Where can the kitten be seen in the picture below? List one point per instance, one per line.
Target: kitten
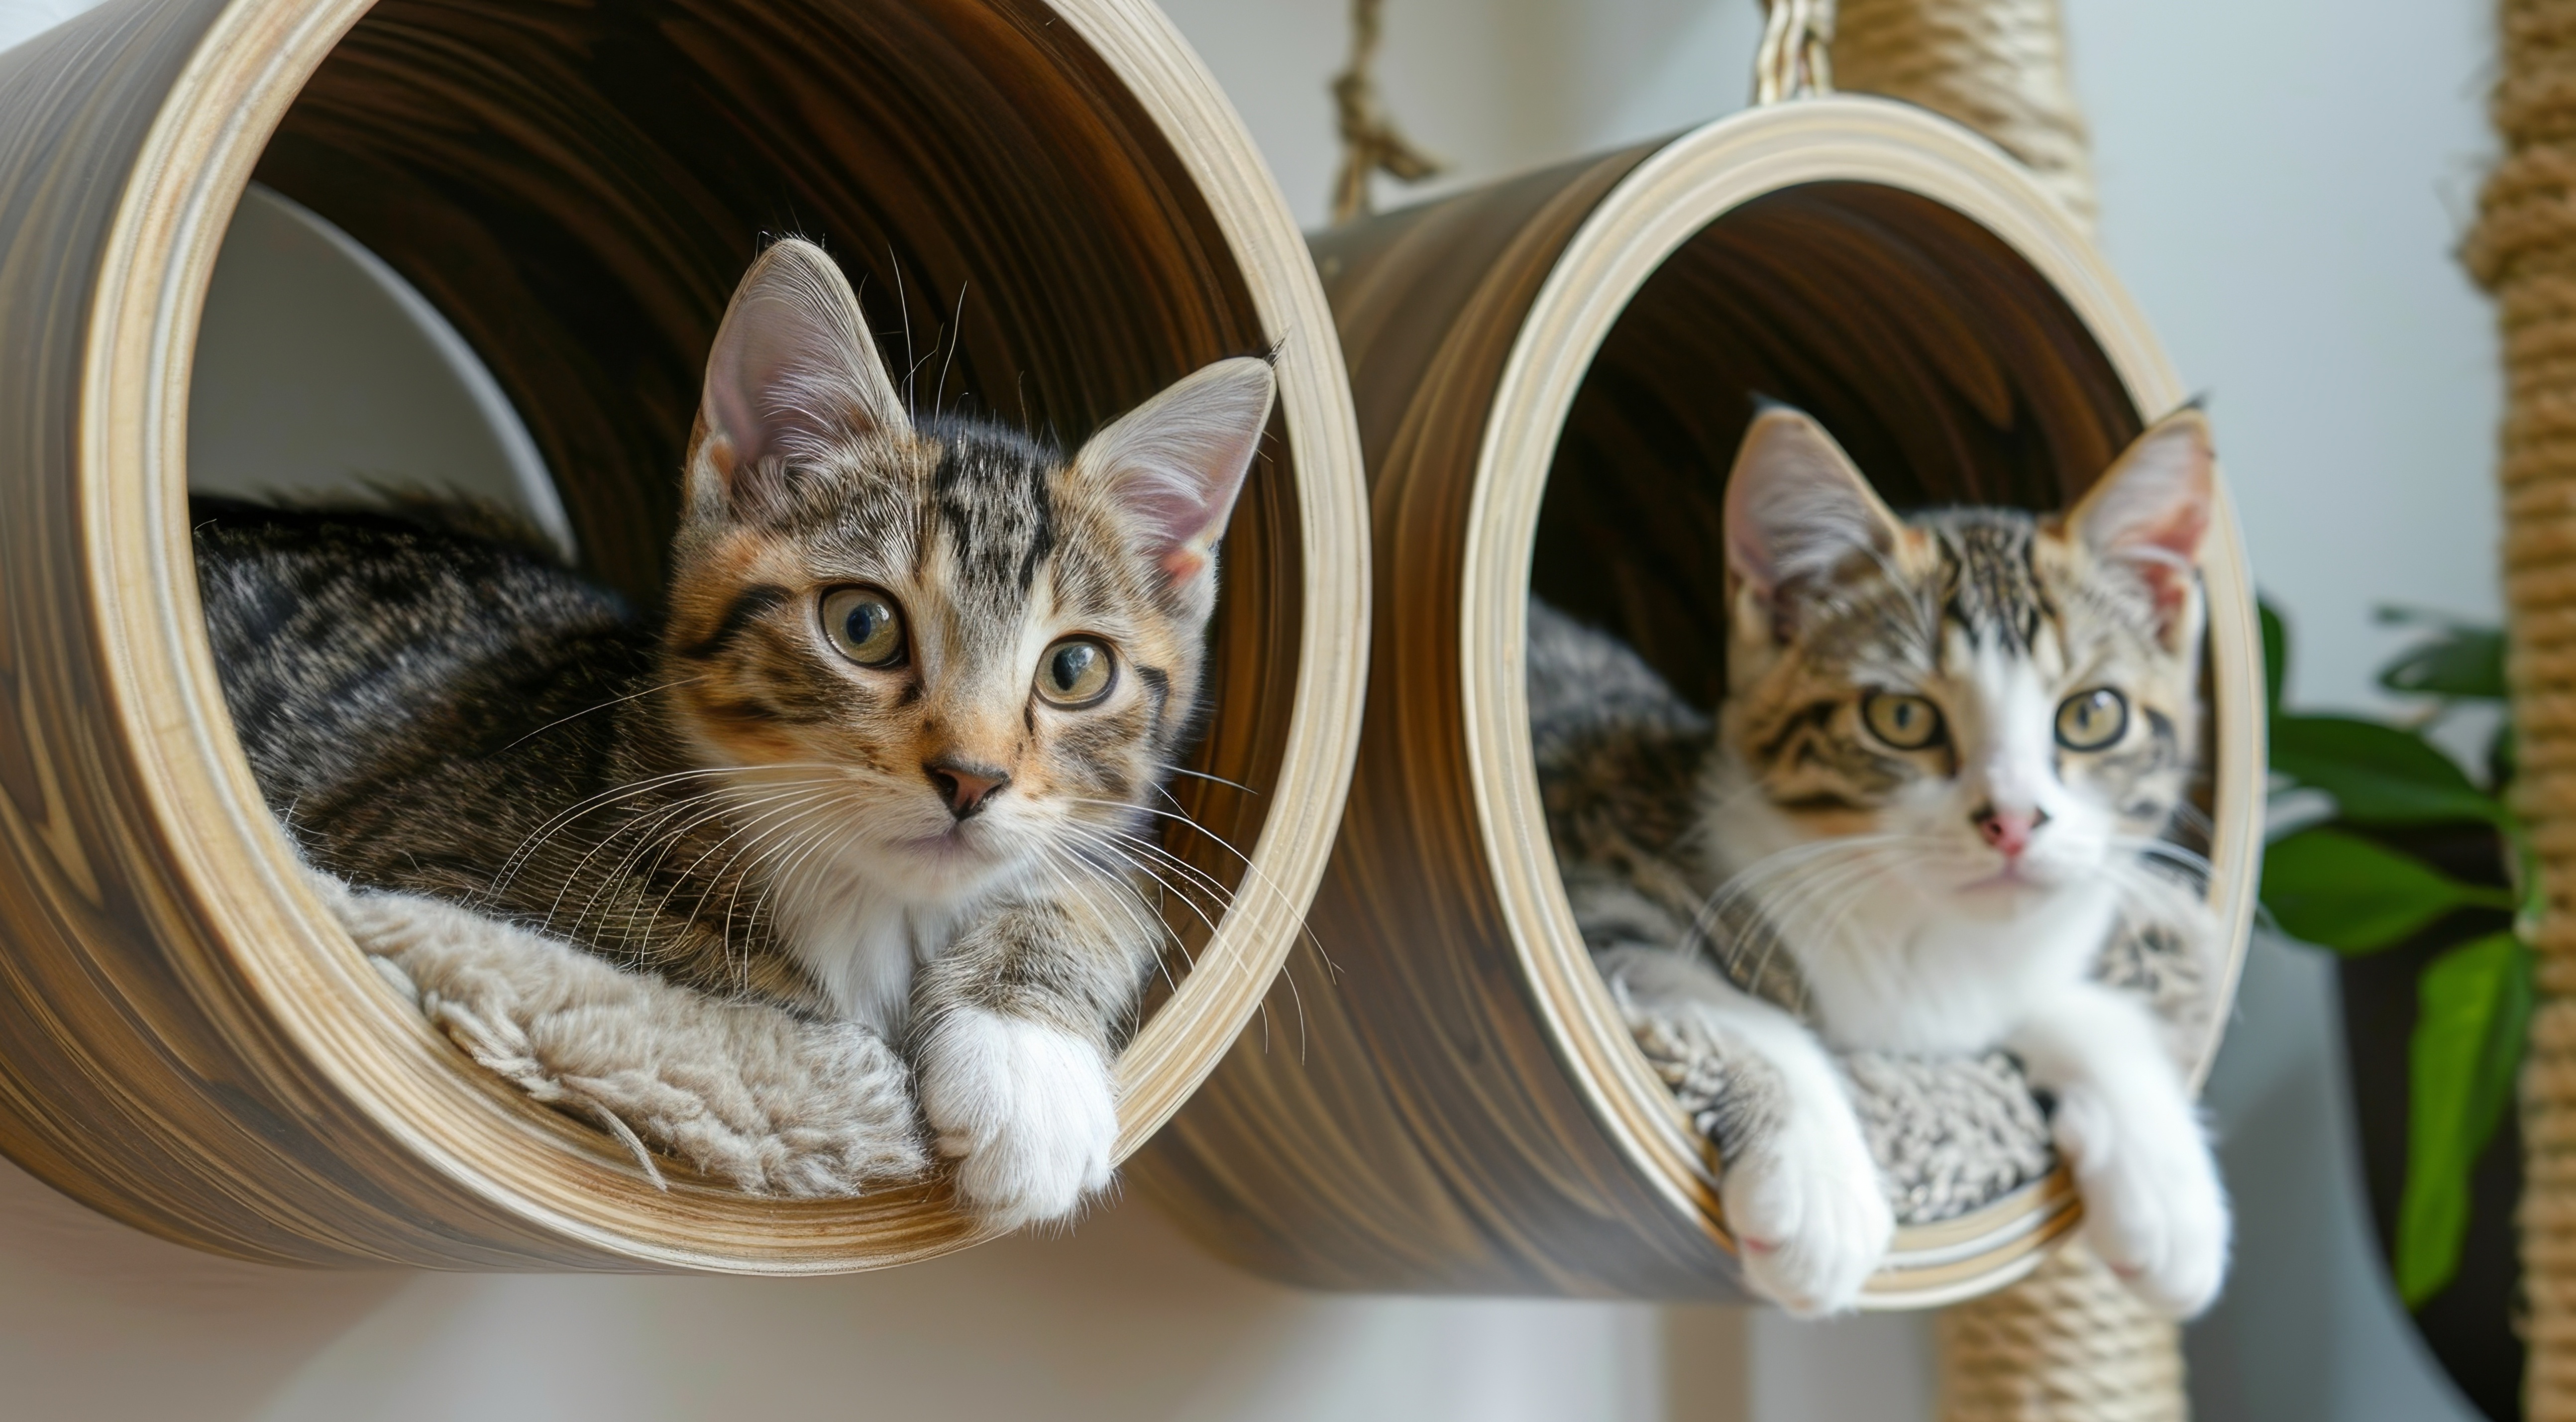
(885, 760)
(1927, 810)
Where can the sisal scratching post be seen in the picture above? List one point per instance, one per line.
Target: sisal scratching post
(1998, 66)
(2524, 251)
(2067, 1344)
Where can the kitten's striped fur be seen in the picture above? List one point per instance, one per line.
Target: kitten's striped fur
(932, 844)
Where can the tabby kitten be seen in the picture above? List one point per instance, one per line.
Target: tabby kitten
(1930, 803)
(886, 759)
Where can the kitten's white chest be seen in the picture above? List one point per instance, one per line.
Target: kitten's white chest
(862, 945)
(1901, 975)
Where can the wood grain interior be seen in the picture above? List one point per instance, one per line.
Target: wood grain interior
(1052, 214)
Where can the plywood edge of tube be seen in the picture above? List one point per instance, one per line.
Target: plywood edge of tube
(187, 1041)
(1453, 1103)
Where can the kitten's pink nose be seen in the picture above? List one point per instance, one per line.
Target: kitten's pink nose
(2008, 831)
(967, 787)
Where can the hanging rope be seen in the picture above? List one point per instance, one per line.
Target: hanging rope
(1998, 66)
(2524, 251)
(1796, 57)
(1370, 142)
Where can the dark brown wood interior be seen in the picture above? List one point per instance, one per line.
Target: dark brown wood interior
(578, 187)
(1945, 365)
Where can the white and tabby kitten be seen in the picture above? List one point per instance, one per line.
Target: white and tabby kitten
(1930, 805)
(887, 761)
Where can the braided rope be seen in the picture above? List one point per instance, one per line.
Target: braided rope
(2524, 251)
(2548, 1214)
(1998, 66)
(2061, 1345)
(1796, 55)
(1371, 143)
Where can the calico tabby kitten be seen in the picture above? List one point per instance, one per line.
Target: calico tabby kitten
(885, 760)
(1928, 807)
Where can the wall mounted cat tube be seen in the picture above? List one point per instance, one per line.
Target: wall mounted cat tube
(1462, 1107)
(1052, 198)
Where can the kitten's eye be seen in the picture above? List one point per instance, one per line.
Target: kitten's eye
(1905, 722)
(1076, 672)
(2090, 720)
(865, 624)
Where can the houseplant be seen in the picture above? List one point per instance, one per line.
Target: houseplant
(2416, 870)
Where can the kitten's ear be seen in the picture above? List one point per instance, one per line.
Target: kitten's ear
(1796, 509)
(792, 373)
(2151, 510)
(1175, 463)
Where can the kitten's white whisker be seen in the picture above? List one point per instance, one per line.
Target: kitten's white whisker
(1142, 867)
(1223, 896)
(903, 304)
(698, 809)
(1217, 889)
(536, 837)
(784, 879)
(1808, 870)
(645, 825)
(733, 882)
(956, 333)
(1788, 915)
(1123, 898)
(705, 809)
(1280, 896)
(1203, 775)
(1214, 887)
(612, 701)
(689, 871)
(1750, 879)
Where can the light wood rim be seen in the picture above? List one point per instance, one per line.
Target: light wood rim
(1636, 226)
(164, 709)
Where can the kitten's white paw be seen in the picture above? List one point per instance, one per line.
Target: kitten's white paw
(2153, 1207)
(1026, 1108)
(1807, 1215)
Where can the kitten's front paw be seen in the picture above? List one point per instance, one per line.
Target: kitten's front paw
(2153, 1207)
(1807, 1214)
(1027, 1110)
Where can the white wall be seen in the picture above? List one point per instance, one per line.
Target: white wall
(2282, 182)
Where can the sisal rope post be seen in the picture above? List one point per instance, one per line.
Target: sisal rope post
(2069, 1343)
(2523, 250)
(2063, 1344)
(1998, 66)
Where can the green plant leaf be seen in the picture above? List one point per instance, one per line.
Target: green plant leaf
(2276, 655)
(2378, 775)
(2344, 892)
(2473, 1005)
(2457, 661)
